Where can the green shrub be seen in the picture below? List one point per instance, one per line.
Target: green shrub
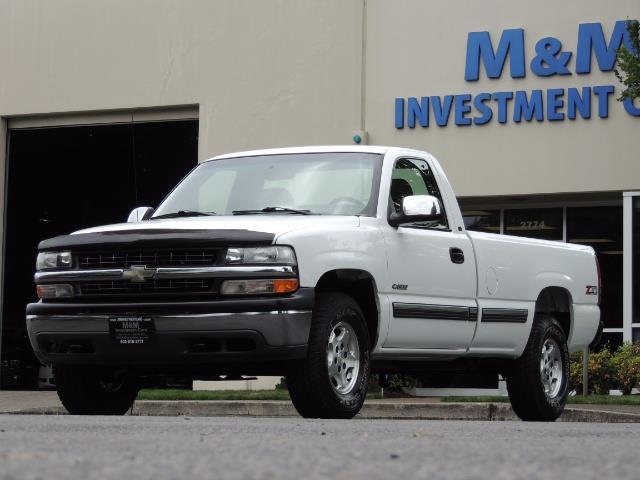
(397, 382)
(619, 370)
(282, 385)
(575, 372)
(626, 366)
(601, 372)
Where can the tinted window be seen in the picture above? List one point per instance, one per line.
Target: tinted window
(414, 177)
(543, 223)
(635, 248)
(482, 220)
(601, 228)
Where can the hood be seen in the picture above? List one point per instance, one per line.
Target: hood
(192, 231)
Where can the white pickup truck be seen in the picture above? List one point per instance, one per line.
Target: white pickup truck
(322, 264)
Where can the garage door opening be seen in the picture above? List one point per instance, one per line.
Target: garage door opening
(67, 178)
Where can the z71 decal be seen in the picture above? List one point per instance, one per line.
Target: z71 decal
(399, 286)
(591, 290)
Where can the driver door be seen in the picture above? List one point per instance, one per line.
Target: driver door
(432, 271)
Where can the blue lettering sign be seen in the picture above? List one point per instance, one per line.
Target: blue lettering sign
(591, 39)
(528, 108)
(462, 108)
(442, 109)
(485, 110)
(503, 99)
(550, 59)
(578, 103)
(420, 110)
(603, 94)
(631, 108)
(479, 47)
(399, 112)
(555, 102)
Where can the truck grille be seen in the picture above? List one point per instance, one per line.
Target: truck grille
(119, 287)
(150, 258)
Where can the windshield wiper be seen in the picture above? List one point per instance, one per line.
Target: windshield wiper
(184, 213)
(272, 210)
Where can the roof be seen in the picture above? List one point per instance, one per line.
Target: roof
(316, 149)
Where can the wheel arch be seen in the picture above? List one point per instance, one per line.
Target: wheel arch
(557, 302)
(361, 286)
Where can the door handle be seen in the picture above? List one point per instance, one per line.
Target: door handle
(456, 254)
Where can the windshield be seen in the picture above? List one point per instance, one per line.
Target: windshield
(312, 183)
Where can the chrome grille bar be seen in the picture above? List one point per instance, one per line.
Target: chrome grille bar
(151, 258)
(275, 271)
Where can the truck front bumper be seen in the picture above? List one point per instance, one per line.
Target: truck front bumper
(220, 331)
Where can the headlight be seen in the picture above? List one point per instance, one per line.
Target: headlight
(277, 255)
(47, 260)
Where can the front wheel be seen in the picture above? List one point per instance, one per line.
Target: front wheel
(332, 382)
(538, 382)
(88, 390)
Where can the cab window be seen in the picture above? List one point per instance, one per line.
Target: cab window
(414, 177)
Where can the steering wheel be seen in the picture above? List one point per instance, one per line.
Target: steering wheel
(341, 205)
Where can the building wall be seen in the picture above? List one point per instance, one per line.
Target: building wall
(285, 72)
(417, 48)
(282, 72)
(268, 73)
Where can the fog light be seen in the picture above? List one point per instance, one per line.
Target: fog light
(54, 291)
(257, 287)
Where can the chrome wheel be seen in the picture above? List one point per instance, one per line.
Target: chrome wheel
(551, 368)
(343, 358)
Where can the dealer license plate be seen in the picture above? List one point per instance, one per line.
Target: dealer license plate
(131, 330)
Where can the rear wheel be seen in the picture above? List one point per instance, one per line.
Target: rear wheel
(85, 390)
(332, 382)
(538, 382)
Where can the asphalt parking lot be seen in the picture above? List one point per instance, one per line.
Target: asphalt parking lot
(62, 447)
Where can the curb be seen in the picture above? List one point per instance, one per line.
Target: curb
(371, 410)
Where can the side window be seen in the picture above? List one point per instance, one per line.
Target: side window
(414, 177)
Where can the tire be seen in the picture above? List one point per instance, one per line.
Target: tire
(529, 398)
(319, 386)
(85, 390)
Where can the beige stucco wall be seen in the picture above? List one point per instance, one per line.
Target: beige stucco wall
(265, 73)
(284, 72)
(418, 48)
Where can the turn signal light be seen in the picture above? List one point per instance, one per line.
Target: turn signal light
(287, 285)
(259, 286)
(54, 291)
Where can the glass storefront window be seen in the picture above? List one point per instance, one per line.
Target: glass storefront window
(601, 228)
(613, 339)
(543, 223)
(482, 220)
(635, 269)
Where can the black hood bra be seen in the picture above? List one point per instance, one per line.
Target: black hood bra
(157, 238)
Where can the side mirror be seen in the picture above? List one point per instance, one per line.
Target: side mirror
(417, 208)
(139, 214)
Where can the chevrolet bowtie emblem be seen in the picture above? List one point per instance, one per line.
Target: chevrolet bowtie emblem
(138, 273)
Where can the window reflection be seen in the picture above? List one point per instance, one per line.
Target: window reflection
(482, 220)
(601, 228)
(543, 223)
(635, 248)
